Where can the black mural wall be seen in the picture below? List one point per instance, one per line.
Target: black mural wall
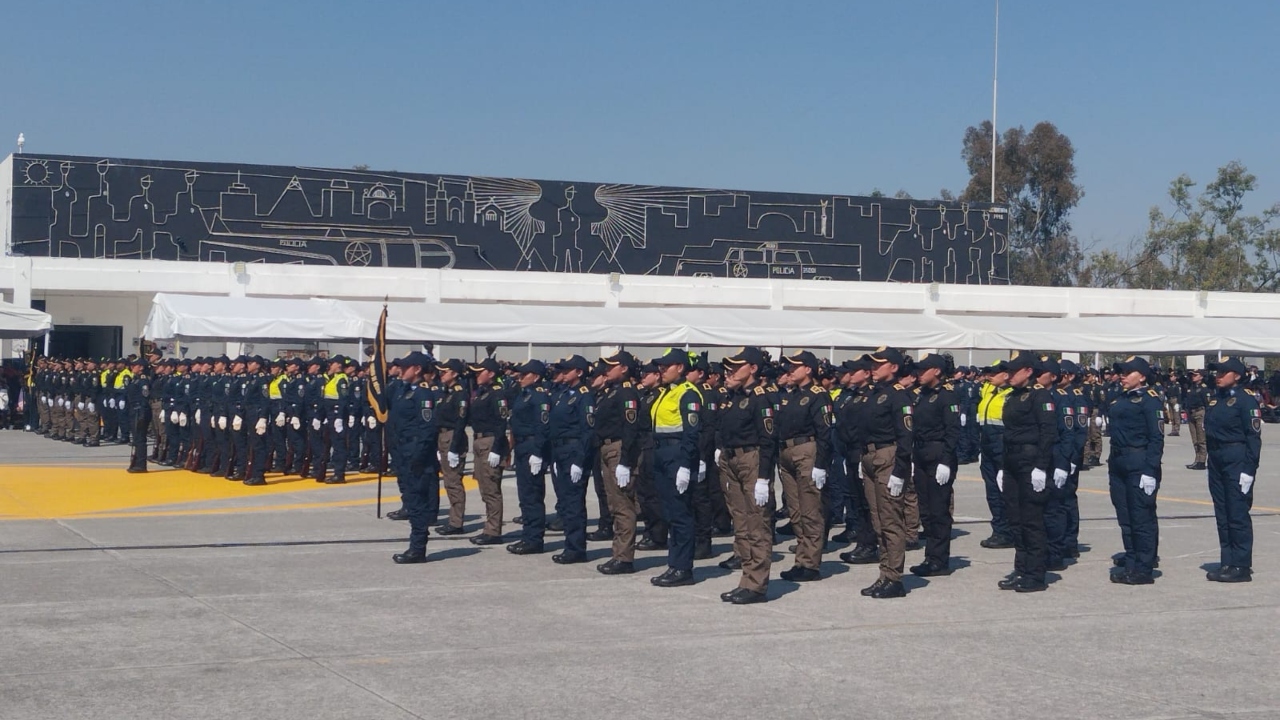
(186, 211)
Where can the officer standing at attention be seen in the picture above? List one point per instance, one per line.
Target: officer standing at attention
(137, 403)
(530, 413)
(452, 444)
(991, 400)
(1233, 427)
(886, 441)
(676, 435)
(257, 411)
(1195, 400)
(1136, 421)
(412, 429)
(851, 425)
(1057, 513)
(936, 438)
(1082, 403)
(745, 448)
(618, 428)
(1030, 435)
(804, 436)
(313, 398)
(570, 429)
(239, 430)
(279, 428)
(489, 414)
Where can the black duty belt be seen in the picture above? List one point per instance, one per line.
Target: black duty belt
(482, 435)
(800, 440)
(609, 440)
(736, 451)
(872, 447)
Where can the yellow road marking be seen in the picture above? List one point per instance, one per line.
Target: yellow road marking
(1162, 498)
(28, 492)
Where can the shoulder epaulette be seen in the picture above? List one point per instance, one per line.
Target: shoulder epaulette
(426, 385)
(915, 391)
(948, 386)
(1152, 393)
(584, 390)
(540, 389)
(1077, 391)
(816, 389)
(1251, 392)
(707, 386)
(456, 387)
(626, 383)
(760, 390)
(897, 386)
(1038, 386)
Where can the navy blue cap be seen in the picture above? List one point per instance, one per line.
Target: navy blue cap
(533, 366)
(932, 361)
(861, 363)
(1020, 359)
(1132, 363)
(1048, 365)
(486, 364)
(673, 357)
(622, 357)
(1068, 367)
(455, 365)
(574, 362)
(885, 354)
(419, 358)
(804, 357)
(1228, 364)
(746, 356)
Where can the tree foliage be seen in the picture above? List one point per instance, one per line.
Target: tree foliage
(1036, 179)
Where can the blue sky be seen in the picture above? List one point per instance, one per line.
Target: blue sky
(830, 97)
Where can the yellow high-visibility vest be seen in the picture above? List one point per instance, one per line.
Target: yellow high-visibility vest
(991, 404)
(331, 386)
(125, 374)
(274, 387)
(666, 412)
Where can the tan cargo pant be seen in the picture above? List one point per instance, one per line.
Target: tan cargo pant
(752, 524)
(1093, 440)
(622, 502)
(490, 481)
(1174, 418)
(1195, 422)
(803, 500)
(887, 512)
(451, 478)
(157, 422)
(911, 511)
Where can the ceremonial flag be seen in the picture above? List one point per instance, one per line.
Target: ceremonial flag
(378, 372)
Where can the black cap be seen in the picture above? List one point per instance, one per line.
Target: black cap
(486, 364)
(1048, 365)
(672, 357)
(1228, 364)
(715, 368)
(574, 362)
(622, 357)
(293, 361)
(336, 359)
(932, 361)
(649, 367)
(804, 357)
(455, 365)
(1132, 363)
(746, 356)
(885, 354)
(1020, 359)
(317, 360)
(1068, 367)
(861, 363)
(419, 358)
(532, 366)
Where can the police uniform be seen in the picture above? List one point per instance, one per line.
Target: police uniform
(851, 424)
(1195, 401)
(412, 431)
(488, 418)
(804, 437)
(746, 445)
(137, 399)
(278, 429)
(618, 431)
(1081, 419)
(936, 442)
(676, 432)
(886, 442)
(991, 402)
(1136, 424)
(530, 415)
(257, 421)
(1030, 436)
(314, 421)
(570, 431)
(1233, 428)
(1057, 511)
(452, 445)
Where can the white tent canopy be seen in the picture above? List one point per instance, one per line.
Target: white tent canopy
(199, 317)
(20, 322)
(192, 317)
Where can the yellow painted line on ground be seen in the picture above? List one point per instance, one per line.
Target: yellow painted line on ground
(1162, 498)
(29, 492)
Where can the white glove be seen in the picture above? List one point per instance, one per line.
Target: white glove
(197, 417)
(1098, 421)
(702, 470)
(1059, 477)
(280, 419)
(260, 427)
(91, 407)
(942, 474)
(315, 423)
(80, 406)
(371, 422)
(535, 464)
(494, 459)
(111, 403)
(895, 485)
(222, 422)
(1073, 467)
(1000, 480)
(575, 474)
(762, 492)
(682, 480)
(120, 406)
(338, 426)
(1038, 478)
(182, 419)
(237, 422)
(173, 417)
(1148, 484)
(1246, 482)
(964, 419)
(454, 460)
(819, 477)
(1177, 407)
(295, 423)
(717, 456)
(623, 474)
(351, 421)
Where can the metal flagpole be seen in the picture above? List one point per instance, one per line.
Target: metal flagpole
(995, 86)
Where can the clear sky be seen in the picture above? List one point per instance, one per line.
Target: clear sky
(838, 96)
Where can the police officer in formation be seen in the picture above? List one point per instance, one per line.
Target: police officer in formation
(1233, 431)
(1136, 423)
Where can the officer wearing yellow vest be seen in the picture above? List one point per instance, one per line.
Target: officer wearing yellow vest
(676, 429)
(279, 427)
(991, 399)
(333, 406)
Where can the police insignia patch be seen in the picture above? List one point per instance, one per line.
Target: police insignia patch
(631, 416)
(426, 414)
(907, 422)
(1257, 425)
(1231, 401)
(933, 398)
(546, 417)
(768, 425)
(1070, 421)
(804, 401)
(882, 399)
(693, 418)
(591, 420)
(743, 403)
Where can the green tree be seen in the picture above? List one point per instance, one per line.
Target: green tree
(1201, 242)
(1036, 179)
